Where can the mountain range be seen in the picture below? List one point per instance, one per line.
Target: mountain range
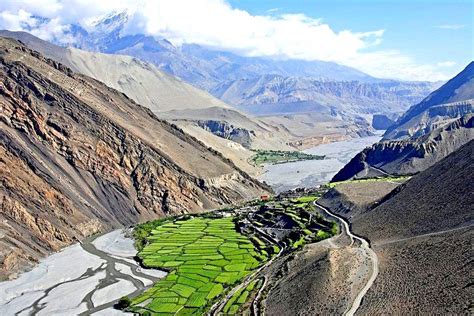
(256, 84)
(220, 126)
(426, 133)
(78, 157)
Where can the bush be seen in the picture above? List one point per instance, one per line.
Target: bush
(124, 302)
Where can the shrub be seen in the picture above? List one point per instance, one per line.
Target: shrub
(124, 302)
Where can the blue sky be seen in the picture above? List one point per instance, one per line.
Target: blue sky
(429, 31)
(408, 40)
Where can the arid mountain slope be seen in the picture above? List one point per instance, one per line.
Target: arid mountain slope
(267, 94)
(78, 157)
(439, 198)
(168, 97)
(422, 234)
(406, 157)
(451, 101)
(425, 134)
(198, 112)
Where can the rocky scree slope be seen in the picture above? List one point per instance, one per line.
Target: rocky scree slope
(424, 135)
(192, 109)
(422, 234)
(78, 157)
(452, 100)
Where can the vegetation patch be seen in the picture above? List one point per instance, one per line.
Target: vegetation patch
(262, 157)
(205, 256)
(399, 179)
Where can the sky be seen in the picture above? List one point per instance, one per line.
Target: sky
(429, 31)
(408, 40)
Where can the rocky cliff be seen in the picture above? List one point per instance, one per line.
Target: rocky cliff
(228, 131)
(452, 100)
(426, 133)
(77, 157)
(410, 156)
(382, 121)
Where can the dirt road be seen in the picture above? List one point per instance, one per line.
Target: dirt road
(364, 245)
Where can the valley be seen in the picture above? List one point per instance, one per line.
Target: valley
(184, 263)
(310, 173)
(168, 158)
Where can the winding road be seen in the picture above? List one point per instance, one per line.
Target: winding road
(370, 254)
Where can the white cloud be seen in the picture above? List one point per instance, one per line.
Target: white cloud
(447, 63)
(451, 26)
(215, 24)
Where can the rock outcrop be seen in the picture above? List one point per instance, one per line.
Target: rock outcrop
(382, 121)
(407, 157)
(228, 131)
(451, 101)
(425, 134)
(77, 157)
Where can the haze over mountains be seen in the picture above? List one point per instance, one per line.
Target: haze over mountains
(260, 85)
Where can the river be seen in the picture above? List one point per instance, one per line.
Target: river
(91, 276)
(83, 278)
(309, 173)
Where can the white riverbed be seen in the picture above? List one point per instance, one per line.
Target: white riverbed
(310, 173)
(66, 265)
(116, 244)
(66, 282)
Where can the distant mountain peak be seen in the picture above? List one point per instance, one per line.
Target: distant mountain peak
(113, 19)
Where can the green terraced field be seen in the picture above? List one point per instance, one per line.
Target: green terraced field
(204, 256)
(400, 179)
(277, 156)
(240, 297)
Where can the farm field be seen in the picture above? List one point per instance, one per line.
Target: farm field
(241, 298)
(278, 156)
(399, 179)
(205, 256)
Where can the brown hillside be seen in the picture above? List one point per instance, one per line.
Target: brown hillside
(77, 157)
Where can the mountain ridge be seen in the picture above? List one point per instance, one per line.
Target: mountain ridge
(79, 157)
(425, 134)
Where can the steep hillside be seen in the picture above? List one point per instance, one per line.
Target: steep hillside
(197, 111)
(409, 156)
(439, 198)
(78, 157)
(452, 100)
(168, 97)
(422, 234)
